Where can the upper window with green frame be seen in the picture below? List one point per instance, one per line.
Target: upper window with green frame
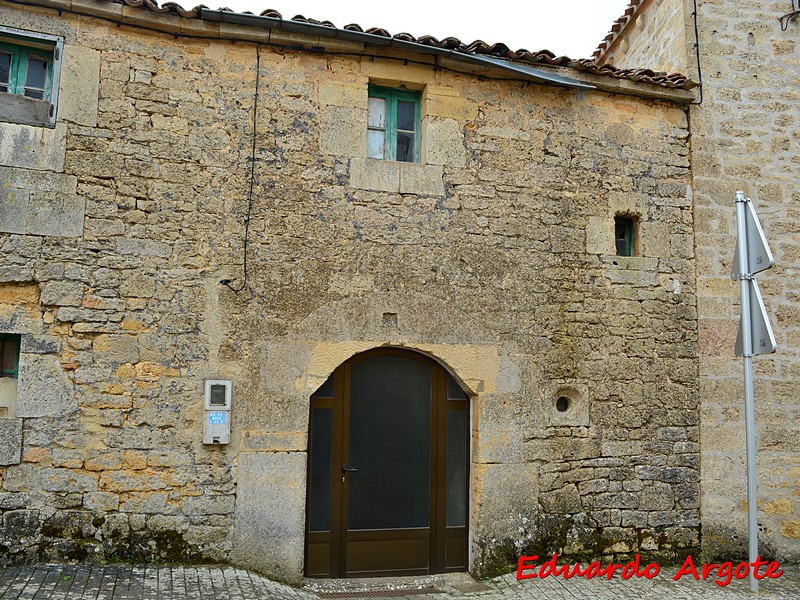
(9, 355)
(29, 71)
(393, 124)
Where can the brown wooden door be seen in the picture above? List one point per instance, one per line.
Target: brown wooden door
(387, 469)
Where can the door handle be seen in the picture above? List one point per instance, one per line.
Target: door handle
(346, 469)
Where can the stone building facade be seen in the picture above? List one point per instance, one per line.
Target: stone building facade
(742, 138)
(199, 206)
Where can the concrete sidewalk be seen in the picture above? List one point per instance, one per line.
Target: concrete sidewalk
(125, 582)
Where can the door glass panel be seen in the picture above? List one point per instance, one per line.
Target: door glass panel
(405, 115)
(405, 147)
(325, 390)
(319, 478)
(390, 411)
(456, 468)
(454, 391)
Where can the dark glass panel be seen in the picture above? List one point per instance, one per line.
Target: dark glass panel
(10, 353)
(454, 391)
(623, 236)
(319, 479)
(325, 390)
(406, 115)
(390, 409)
(36, 78)
(456, 468)
(405, 147)
(5, 71)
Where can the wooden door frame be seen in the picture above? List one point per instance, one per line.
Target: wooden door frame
(440, 404)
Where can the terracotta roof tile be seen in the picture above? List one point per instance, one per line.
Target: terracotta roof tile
(542, 57)
(617, 28)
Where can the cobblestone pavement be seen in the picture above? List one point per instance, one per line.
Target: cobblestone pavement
(124, 582)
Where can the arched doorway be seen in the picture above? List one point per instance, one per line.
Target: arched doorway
(388, 469)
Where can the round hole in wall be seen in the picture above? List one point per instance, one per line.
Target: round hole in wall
(562, 404)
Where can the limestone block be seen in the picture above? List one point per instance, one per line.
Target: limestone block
(443, 142)
(504, 497)
(62, 293)
(44, 388)
(79, 86)
(338, 93)
(421, 179)
(8, 396)
(37, 148)
(40, 344)
(10, 441)
(373, 174)
(447, 103)
(53, 211)
(116, 349)
(270, 514)
(343, 131)
(600, 235)
(143, 247)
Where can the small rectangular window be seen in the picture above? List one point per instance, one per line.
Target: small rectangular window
(9, 355)
(624, 231)
(29, 68)
(393, 124)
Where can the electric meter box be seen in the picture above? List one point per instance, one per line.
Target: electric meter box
(217, 420)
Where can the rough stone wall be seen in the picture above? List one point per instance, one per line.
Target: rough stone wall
(659, 38)
(743, 139)
(495, 255)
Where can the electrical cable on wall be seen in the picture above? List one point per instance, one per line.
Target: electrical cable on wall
(227, 282)
(790, 16)
(697, 55)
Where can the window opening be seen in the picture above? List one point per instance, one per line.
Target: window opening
(9, 355)
(393, 124)
(29, 67)
(623, 235)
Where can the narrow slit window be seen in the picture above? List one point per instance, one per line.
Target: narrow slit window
(9, 355)
(624, 231)
(393, 124)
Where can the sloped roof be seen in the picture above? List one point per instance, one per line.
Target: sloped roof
(617, 28)
(478, 47)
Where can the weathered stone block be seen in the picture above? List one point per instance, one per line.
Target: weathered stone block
(80, 82)
(421, 179)
(36, 148)
(10, 441)
(267, 501)
(373, 174)
(62, 293)
(44, 388)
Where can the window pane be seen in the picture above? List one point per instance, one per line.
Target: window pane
(456, 468)
(405, 147)
(375, 143)
(377, 113)
(10, 353)
(390, 429)
(5, 71)
(405, 115)
(36, 78)
(319, 503)
(623, 236)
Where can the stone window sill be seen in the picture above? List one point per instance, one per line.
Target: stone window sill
(25, 111)
(396, 177)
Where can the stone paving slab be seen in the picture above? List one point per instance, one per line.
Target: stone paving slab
(152, 582)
